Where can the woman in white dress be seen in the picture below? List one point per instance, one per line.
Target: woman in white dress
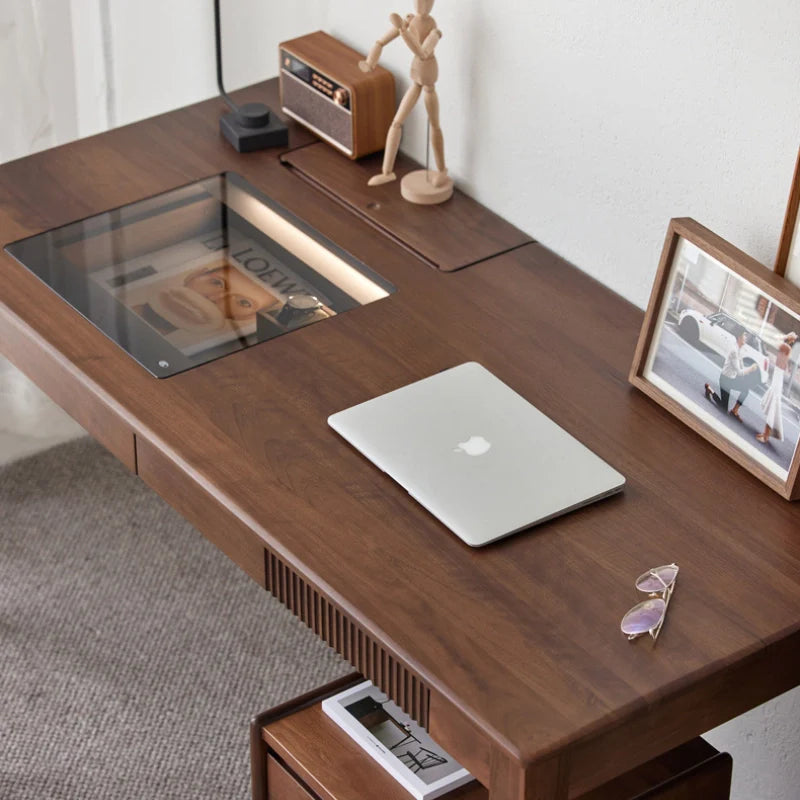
(772, 402)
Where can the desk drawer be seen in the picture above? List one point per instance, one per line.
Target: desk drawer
(298, 753)
(282, 785)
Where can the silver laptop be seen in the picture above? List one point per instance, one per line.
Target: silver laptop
(476, 454)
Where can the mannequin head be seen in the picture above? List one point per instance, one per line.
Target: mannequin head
(423, 7)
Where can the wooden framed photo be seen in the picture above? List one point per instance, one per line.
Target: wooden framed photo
(719, 349)
(787, 263)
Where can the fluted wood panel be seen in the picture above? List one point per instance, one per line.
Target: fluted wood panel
(348, 639)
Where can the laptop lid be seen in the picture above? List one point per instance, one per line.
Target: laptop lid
(476, 454)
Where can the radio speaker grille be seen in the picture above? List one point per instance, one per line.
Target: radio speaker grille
(347, 638)
(316, 110)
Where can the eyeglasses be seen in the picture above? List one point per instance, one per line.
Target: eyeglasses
(648, 616)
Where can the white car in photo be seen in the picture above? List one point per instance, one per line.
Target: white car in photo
(718, 332)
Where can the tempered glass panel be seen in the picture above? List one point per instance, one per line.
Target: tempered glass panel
(199, 272)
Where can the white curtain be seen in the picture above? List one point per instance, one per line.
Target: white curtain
(27, 107)
(37, 110)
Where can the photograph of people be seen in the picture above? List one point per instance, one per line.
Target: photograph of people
(729, 353)
(772, 402)
(734, 377)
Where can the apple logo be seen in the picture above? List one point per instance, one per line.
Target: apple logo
(474, 446)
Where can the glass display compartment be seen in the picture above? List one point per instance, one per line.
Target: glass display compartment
(198, 272)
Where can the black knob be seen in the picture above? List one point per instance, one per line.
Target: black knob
(253, 115)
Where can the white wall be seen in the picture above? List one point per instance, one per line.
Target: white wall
(587, 124)
(764, 744)
(161, 54)
(76, 67)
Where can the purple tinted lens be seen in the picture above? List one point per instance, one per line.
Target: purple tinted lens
(656, 580)
(644, 617)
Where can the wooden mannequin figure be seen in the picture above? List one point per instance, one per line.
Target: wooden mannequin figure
(420, 33)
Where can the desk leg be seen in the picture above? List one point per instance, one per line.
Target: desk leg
(545, 780)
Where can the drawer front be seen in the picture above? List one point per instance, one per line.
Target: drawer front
(190, 496)
(299, 739)
(282, 786)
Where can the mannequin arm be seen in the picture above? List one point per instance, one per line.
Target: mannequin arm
(375, 53)
(412, 44)
(431, 40)
(389, 36)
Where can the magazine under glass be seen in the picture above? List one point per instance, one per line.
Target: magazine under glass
(199, 272)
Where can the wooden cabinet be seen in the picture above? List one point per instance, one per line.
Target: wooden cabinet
(299, 753)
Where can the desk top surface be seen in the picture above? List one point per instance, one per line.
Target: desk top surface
(522, 636)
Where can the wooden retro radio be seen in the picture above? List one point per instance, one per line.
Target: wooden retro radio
(323, 88)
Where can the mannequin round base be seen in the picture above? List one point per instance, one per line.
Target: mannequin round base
(418, 187)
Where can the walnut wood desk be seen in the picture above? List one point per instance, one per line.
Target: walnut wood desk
(511, 654)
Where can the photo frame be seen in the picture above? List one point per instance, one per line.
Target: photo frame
(720, 349)
(787, 263)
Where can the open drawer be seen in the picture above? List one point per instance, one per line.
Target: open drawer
(299, 753)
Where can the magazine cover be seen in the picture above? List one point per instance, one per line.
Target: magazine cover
(205, 291)
(395, 741)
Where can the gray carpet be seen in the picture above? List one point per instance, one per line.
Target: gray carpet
(132, 652)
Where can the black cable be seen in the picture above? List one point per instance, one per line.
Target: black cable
(218, 45)
(250, 126)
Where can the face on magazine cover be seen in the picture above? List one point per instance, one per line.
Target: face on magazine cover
(236, 296)
(179, 308)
